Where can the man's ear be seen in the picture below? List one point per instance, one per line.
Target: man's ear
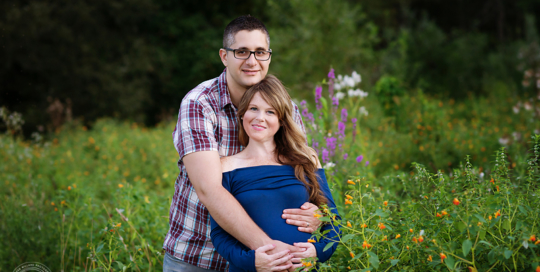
(223, 56)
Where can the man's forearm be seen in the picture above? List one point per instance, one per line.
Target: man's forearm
(232, 217)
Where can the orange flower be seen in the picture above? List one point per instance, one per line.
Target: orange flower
(366, 245)
(538, 268)
(69, 188)
(421, 239)
(456, 201)
(62, 202)
(348, 202)
(55, 209)
(316, 215)
(479, 223)
(498, 213)
(385, 238)
(112, 230)
(410, 230)
(407, 247)
(311, 241)
(492, 181)
(444, 213)
(351, 182)
(537, 242)
(306, 264)
(348, 197)
(352, 254)
(533, 238)
(349, 224)
(430, 259)
(120, 185)
(497, 187)
(118, 225)
(442, 257)
(364, 225)
(52, 203)
(489, 217)
(415, 240)
(398, 235)
(439, 215)
(381, 226)
(385, 203)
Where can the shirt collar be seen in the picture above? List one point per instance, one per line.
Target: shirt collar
(223, 90)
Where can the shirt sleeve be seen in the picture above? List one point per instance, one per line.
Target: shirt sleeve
(194, 129)
(335, 231)
(236, 253)
(298, 117)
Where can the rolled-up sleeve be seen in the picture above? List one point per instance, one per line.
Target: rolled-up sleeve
(195, 129)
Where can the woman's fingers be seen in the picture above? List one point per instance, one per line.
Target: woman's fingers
(296, 260)
(282, 263)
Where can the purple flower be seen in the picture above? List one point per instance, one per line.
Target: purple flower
(335, 101)
(367, 163)
(318, 94)
(341, 129)
(344, 115)
(303, 103)
(331, 143)
(345, 156)
(331, 73)
(325, 156)
(305, 112)
(354, 121)
(359, 158)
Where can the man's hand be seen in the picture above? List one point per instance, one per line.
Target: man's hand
(303, 218)
(265, 262)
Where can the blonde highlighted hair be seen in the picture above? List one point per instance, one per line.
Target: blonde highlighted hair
(291, 144)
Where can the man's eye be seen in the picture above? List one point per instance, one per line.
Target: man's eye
(260, 52)
(241, 52)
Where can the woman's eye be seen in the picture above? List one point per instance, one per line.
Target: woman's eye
(271, 112)
(253, 108)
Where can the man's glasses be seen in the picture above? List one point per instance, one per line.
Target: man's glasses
(244, 54)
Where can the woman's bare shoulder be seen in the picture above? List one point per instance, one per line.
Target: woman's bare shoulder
(230, 163)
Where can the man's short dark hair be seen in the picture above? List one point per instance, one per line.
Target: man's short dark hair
(244, 22)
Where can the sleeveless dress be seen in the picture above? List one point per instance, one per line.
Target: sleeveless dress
(264, 192)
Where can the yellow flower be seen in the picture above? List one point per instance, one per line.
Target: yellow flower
(118, 225)
(348, 202)
(430, 259)
(311, 241)
(120, 185)
(351, 182)
(349, 224)
(348, 197)
(306, 264)
(397, 236)
(316, 215)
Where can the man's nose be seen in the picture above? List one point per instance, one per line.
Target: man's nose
(251, 60)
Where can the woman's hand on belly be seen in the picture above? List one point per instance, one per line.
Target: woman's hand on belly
(276, 262)
(308, 251)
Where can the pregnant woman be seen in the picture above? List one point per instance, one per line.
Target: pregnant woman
(277, 170)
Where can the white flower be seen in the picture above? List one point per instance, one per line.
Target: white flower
(481, 175)
(363, 111)
(337, 86)
(516, 135)
(421, 232)
(329, 165)
(339, 77)
(356, 77)
(348, 81)
(515, 109)
(527, 105)
(339, 95)
(503, 141)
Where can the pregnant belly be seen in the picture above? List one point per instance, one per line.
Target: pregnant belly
(266, 208)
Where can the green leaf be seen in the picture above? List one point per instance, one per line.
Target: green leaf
(325, 219)
(347, 238)
(373, 259)
(506, 225)
(100, 246)
(380, 213)
(480, 218)
(394, 262)
(508, 253)
(522, 210)
(460, 226)
(486, 243)
(467, 245)
(482, 234)
(450, 262)
(329, 245)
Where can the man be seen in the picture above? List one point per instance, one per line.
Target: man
(205, 131)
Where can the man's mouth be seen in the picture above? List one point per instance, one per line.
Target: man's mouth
(250, 72)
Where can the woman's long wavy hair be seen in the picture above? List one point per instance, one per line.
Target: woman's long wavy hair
(291, 144)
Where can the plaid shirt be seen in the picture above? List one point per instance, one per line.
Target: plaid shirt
(206, 122)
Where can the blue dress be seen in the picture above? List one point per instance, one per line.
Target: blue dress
(265, 191)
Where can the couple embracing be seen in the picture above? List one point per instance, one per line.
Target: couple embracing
(249, 185)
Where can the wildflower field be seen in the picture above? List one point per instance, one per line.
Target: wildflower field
(422, 184)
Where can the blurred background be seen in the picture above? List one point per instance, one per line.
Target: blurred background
(135, 60)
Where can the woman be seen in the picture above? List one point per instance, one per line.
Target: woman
(275, 171)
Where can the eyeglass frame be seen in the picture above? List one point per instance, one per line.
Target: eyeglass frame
(250, 52)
